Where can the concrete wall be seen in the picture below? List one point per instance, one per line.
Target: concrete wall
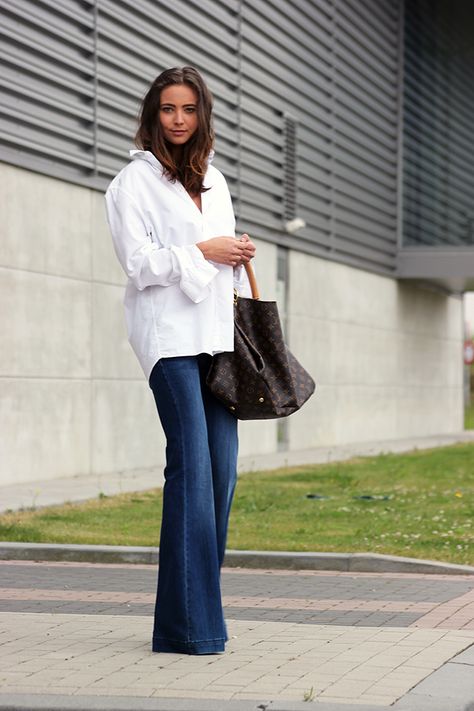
(387, 355)
(73, 399)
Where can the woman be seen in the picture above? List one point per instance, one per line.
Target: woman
(172, 224)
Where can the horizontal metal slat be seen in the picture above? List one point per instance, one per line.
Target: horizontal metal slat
(435, 170)
(428, 80)
(369, 205)
(420, 228)
(251, 212)
(356, 30)
(348, 91)
(452, 152)
(384, 215)
(257, 82)
(426, 67)
(228, 154)
(314, 119)
(430, 100)
(39, 47)
(14, 61)
(265, 134)
(424, 176)
(380, 140)
(37, 144)
(43, 164)
(222, 15)
(420, 184)
(257, 114)
(362, 182)
(224, 44)
(266, 168)
(371, 230)
(225, 12)
(363, 255)
(355, 113)
(353, 156)
(440, 116)
(293, 55)
(417, 211)
(350, 83)
(382, 28)
(81, 13)
(314, 225)
(120, 50)
(314, 203)
(314, 147)
(368, 74)
(50, 124)
(345, 233)
(270, 190)
(39, 95)
(315, 35)
(252, 146)
(44, 23)
(437, 200)
(174, 19)
(315, 170)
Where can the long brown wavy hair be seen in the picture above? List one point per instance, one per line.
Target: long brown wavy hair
(186, 163)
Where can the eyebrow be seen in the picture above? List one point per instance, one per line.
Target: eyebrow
(168, 103)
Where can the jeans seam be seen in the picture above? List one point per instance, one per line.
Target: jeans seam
(185, 507)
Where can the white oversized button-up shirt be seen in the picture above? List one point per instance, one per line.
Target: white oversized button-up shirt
(176, 302)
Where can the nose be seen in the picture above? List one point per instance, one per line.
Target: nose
(179, 118)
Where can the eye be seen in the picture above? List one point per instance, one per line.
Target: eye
(166, 109)
(190, 109)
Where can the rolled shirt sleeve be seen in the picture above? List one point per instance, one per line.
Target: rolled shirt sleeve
(144, 261)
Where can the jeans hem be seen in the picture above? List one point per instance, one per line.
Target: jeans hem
(210, 647)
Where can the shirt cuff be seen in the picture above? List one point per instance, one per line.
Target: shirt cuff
(196, 272)
(241, 282)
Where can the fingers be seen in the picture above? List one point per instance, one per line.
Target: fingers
(248, 251)
(228, 250)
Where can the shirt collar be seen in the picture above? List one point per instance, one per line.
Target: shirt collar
(136, 154)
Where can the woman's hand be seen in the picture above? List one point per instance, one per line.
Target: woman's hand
(228, 250)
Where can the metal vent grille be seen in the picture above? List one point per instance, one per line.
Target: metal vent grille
(290, 185)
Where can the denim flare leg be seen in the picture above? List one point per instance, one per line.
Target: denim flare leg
(200, 477)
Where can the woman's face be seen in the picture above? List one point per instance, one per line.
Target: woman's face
(178, 113)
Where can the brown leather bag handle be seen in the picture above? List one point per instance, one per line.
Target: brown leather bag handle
(252, 281)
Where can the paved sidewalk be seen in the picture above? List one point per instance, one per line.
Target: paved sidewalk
(77, 636)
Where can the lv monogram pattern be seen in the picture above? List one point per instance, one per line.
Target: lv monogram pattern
(261, 379)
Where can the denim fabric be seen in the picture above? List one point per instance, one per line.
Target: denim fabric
(200, 477)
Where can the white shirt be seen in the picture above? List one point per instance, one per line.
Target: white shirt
(176, 302)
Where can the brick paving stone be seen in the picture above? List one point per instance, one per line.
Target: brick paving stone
(306, 584)
(366, 638)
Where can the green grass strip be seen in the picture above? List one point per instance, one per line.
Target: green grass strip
(419, 504)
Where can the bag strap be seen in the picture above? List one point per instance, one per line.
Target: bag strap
(252, 281)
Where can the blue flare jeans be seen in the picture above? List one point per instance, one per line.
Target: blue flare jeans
(200, 478)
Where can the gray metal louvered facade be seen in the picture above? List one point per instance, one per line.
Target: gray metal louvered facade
(437, 229)
(48, 81)
(438, 179)
(333, 66)
(308, 108)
